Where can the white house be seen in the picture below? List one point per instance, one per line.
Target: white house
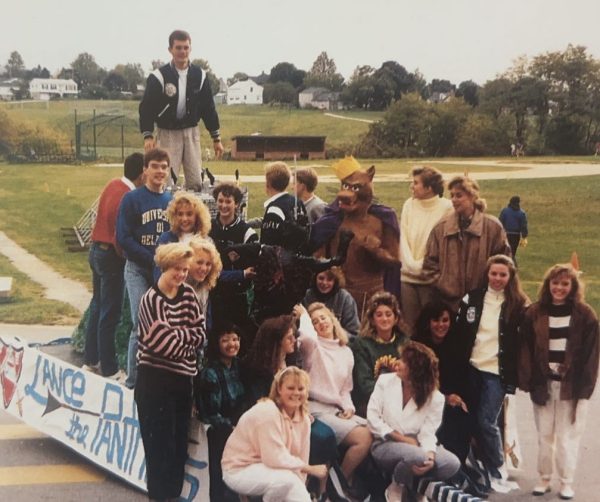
(319, 97)
(45, 88)
(245, 92)
(7, 87)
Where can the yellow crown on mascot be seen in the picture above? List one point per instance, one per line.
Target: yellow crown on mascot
(345, 167)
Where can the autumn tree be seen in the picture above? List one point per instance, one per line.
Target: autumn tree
(132, 74)
(360, 88)
(86, 72)
(15, 66)
(323, 73)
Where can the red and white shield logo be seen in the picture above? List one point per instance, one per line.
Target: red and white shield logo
(11, 364)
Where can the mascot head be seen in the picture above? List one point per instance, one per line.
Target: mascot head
(356, 192)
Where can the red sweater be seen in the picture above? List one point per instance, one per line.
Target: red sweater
(105, 228)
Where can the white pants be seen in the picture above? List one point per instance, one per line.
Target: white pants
(558, 433)
(275, 485)
(183, 146)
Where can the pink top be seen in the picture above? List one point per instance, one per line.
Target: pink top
(267, 435)
(329, 366)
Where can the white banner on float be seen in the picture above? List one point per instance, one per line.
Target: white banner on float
(94, 416)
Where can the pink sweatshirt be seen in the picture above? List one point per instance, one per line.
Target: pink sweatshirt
(267, 435)
(329, 366)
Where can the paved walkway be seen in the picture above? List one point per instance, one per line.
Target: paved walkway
(528, 170)
(36, 333)
(335, 116)
(56, 286)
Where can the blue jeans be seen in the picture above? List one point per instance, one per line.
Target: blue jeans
(488, 396)
(105, 307)
(138, 280)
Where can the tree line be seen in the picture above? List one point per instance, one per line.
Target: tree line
(549, 103)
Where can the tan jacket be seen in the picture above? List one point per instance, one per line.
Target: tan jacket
(580, 367)
(456, 261)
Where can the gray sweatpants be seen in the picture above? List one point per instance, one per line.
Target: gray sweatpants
(397, 459)
(183, 146)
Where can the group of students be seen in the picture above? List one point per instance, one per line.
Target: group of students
(384, 396)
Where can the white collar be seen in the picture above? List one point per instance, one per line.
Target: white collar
(274, 198)
(128, 182)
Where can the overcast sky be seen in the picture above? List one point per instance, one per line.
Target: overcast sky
(457, 39)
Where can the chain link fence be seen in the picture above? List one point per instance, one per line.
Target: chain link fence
(108, 136)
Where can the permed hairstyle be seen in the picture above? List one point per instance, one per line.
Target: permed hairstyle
(576, 295)
(308, 177)
(338, 332)
(279, 379)
(514, 296)
(277, 175)
(470, 187)
(382, 298)
(431, 311)
(157, 154)
(213, 351)
(169, 255)
(199, 244)
(228, 190)
(264, 353)
(134, 166)
(180, 35)
(423, 370)
(202, 224)
(430, 177)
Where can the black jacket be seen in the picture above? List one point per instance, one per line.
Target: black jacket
(285, 223)
(159, 104)
(467, 325)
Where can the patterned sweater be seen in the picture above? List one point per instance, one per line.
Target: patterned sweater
(171, 330)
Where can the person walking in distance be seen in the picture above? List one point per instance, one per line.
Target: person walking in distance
(514, 221)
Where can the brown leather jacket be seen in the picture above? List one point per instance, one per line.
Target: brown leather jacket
(456, 261)
(581, 355)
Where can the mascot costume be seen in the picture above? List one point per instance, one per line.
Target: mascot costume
(373, 259)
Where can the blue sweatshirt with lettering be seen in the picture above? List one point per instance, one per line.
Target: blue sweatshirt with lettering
(141, 220)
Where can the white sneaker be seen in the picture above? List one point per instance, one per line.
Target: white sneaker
(393, 493)
(541, 488)
(503, 485)
(92, 368)
(566, 491)
(120, 377)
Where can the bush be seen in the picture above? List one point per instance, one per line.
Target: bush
(22, 141)
(481, 135)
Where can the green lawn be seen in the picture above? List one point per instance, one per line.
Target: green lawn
(235, 120)
(27, 304)
(34, 205)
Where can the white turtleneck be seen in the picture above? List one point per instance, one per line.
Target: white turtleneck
(485, 351)
(418, 218)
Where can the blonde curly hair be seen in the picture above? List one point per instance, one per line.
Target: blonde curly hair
(202, 224)
(199, 244)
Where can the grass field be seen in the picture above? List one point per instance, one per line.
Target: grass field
(27, 304)
(235, 120)
(34, 205)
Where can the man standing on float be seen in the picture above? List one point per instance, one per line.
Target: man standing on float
(177, 96)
